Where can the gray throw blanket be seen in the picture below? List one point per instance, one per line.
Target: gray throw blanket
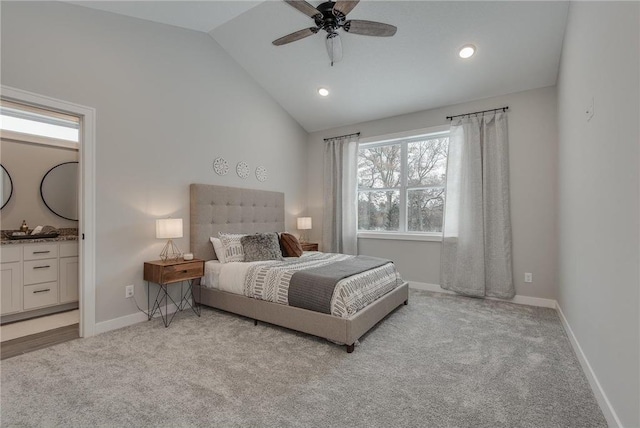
(313, 288)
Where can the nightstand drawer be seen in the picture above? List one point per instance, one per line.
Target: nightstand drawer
(39, 295)
(172, 271)
(37, 271)
(182, 272)
(309, 246)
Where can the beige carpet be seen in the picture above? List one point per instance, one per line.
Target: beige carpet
(441, 361)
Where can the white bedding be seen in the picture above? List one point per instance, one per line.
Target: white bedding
(233, 274)
(350, 295)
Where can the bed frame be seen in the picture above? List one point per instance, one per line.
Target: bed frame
(228, 209)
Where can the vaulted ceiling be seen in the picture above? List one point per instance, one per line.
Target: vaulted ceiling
(518, 48)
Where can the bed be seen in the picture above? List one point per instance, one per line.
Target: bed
(215, 209)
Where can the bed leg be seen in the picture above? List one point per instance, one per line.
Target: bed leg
(350, 348)
(406, 302)
(255, 322)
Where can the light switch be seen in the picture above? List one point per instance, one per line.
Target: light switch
(589, 110)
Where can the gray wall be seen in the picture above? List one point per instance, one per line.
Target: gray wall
(27, 164)
(532, 157)
(598, 197)
(168, 102)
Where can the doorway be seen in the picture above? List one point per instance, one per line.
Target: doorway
(86, 201)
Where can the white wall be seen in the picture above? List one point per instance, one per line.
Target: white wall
(168, 102)
(532, 157)
(598, 195)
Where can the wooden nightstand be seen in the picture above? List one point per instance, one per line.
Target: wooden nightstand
(309, 246)
(165, 273)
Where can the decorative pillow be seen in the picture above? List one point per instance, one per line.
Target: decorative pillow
(232, 247)
(218, 248)
(290, 245)
(261, 246)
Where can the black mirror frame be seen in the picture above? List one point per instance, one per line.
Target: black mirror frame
(42, 195)
(11, 182)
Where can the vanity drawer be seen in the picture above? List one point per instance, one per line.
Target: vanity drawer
(37, 271)
(40, 251)
(69, 249)
(39, 295)
(10, 253)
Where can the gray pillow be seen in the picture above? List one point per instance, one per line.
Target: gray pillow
(261, 246)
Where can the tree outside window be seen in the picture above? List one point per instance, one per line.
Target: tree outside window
(401, 185)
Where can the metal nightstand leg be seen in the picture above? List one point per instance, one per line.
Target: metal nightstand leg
(185, 299)
(163, 296)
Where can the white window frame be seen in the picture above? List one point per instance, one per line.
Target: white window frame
(48, 116)
(402, 138)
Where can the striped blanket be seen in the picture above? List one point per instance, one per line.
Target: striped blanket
(271, 282)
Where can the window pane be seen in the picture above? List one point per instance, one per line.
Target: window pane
(425, 208)
(427, 162)
(379, 210)
(379, 167)
(42, 129)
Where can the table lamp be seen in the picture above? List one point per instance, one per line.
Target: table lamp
(304, 223)
(169, 228)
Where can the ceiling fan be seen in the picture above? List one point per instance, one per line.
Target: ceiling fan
(331, 16)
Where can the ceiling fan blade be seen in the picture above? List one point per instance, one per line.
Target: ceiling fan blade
(301, 34)
(304, 7)
(344, 7)
(334, 47)
(369, 28)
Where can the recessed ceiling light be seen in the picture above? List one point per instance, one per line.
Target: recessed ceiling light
(467, 51)
(323, 92)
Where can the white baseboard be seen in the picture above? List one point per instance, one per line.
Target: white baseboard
(127, 320)
(518, 299)
(605, 405)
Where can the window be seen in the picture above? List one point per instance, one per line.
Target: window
(26, 123)
(401, 184)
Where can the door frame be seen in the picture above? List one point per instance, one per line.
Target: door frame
(86, 196)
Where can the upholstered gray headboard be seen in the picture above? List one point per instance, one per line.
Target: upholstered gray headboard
(230, 209)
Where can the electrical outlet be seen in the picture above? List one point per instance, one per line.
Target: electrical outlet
(528, 277)
(128, 291)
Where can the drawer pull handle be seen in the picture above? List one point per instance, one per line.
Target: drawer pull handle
(185, 271)
(41, 267)
(42, 291)
(42, 252)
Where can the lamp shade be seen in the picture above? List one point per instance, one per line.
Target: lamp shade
(304, 223)
(168, 228)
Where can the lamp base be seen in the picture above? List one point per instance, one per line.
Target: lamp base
(170, 252)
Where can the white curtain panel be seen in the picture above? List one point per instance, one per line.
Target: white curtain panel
(476, 248)
(340, 202)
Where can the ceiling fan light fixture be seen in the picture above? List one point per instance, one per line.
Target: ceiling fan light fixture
(467, 51)
(323, 92)
(334, 47)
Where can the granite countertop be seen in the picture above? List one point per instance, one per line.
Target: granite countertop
(65, 234)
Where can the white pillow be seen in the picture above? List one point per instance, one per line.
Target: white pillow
(233, 251)
(218, 248)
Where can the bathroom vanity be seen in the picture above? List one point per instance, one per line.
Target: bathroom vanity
(39, 276)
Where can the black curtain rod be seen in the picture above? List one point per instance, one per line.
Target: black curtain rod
(357, 134)
(478, 112)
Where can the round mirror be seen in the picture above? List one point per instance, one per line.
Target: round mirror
(7, 187)
(59, 190)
